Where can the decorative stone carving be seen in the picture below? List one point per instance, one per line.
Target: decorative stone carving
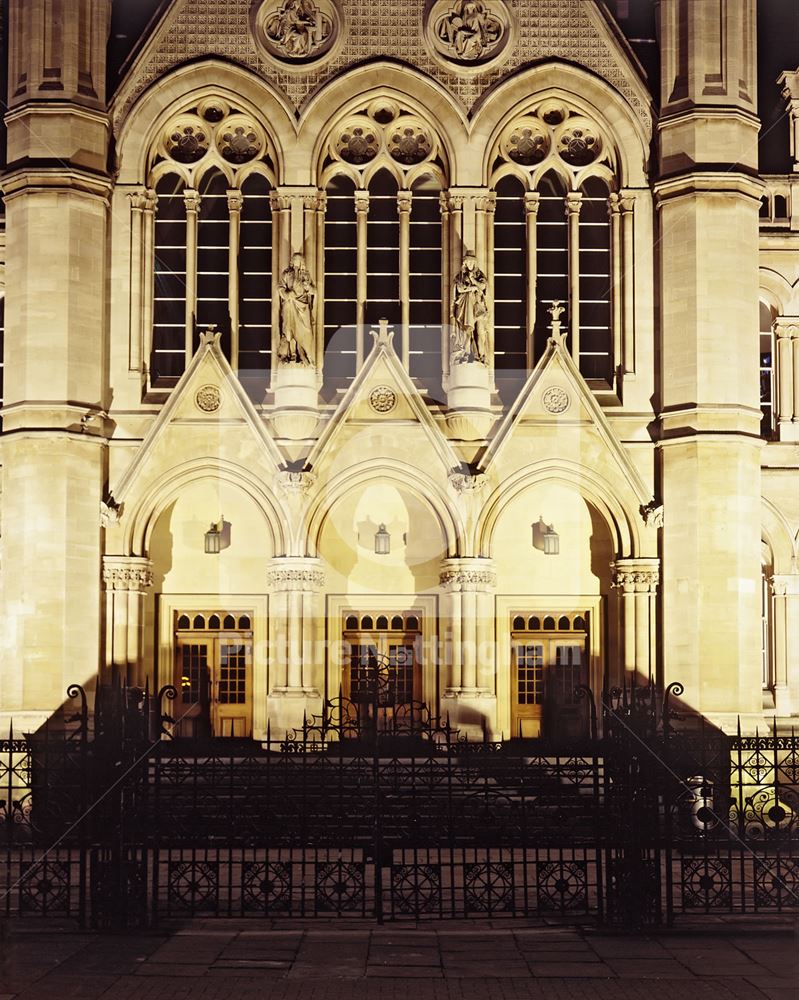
(127, 573)
(410, 143)
(467, 579)
(296, 31)
(555, 133)
(652, 513)
(294, 578)
(210, 336)
(555, 399)
(208, 398)
(467, 485)
(110, 511)
(297, 294)
(239, 141)
(468, 33)
(634, 577)
(295, 484)
(384, 126)
(382, 399)
(469, 313)
(187, 141)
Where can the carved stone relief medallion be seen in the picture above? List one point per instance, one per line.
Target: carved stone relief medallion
(296, 32)
(382, 399)
(555, 399)
(208, 398)
(470, 34)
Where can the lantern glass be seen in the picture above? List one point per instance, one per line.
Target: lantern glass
(213, 538)
(382, 541)
(551, 542)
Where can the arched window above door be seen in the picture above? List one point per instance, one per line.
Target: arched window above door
(202, 244)
(559, 235)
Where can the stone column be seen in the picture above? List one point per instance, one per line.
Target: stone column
(296, 663)
(790, 91)
(138, 206)
(235, 203)
(616, 289)
(627, 206)
(786, 377)
(574, 200)
(404, 212)
(191, 199)
(446, 283)
(126, 580)
(637, 582)
(361, 217)
(467, 587)
(531, 203)
(785, 590)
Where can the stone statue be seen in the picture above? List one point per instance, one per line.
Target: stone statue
(470, 29)
(469, 313)
(298, 28)
(297, 294)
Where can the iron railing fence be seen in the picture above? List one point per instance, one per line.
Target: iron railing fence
(106, 820)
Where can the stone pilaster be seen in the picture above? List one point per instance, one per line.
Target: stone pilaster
(126, 580)
(636, 581)
(467, 616)
(786, 377)
(790, 91)
(785, 623)
(296, 670)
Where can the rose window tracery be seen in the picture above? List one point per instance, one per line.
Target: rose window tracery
(235, 138)
(551, 133)
(383, 128)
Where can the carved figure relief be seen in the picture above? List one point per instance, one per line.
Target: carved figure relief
(469, 313)
(469, 33)
(469, 29)
(296, 30)
(297, 295)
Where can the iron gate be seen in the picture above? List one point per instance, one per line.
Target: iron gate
(104, 822)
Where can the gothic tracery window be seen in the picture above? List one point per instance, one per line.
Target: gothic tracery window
(766, 354)
(555, 238)
(205, 233)
(382, 174)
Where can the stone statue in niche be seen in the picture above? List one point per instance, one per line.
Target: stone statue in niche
(469, 30)
(297, 295)
(469, 313)
(298, 28)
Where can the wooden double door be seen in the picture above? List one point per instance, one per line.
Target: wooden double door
(213, 676)
(548, 662)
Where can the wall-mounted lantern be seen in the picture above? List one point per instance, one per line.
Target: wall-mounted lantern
(213, 538)
(382, 541)
(545, 538)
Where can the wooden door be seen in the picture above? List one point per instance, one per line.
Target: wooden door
(213, 675)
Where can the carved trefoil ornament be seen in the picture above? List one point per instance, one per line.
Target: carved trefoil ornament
(296, 31)
(469, 33)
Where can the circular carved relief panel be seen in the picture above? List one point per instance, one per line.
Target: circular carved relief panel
(208, 398)
(296, 32)
(469, 34)
(382, 399)
(555, 399)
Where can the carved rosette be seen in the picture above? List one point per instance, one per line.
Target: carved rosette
(461, 576)
(382, 399)
(208, 398)
(296, 574)
(636, 576)
(555, 399)
(131, 573)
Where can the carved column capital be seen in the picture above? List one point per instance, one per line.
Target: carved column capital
(636, 576)
(235, 200)
(467, 574)
(131, 573)
(786, 327)
(652, 513)
(465, 484)
(532, 200)
(614, 203)
(404, 199)
(361, 201)
(296, 573)
(191, 199)
(785, 584)
(574, 202)
(627, 201)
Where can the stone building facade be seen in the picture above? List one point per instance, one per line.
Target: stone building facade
(441, 330)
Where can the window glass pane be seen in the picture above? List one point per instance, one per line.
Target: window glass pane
(340, 279)
(168, 356)
(530, 675)
(552, 258)
(425, 283)
(596, 347)
(213, 240)
(382, 258)
(255, 280)
(510, 277)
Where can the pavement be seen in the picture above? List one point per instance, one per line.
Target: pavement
(711, 959)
